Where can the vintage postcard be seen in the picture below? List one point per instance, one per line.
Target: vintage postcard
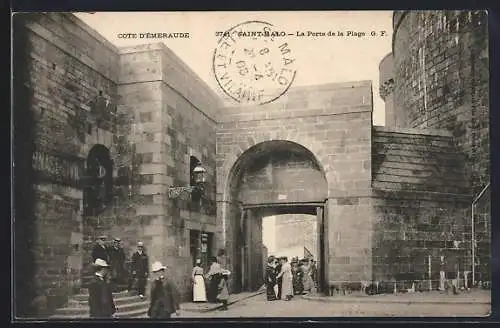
(172, 165)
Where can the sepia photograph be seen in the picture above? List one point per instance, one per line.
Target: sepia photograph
(200, 165)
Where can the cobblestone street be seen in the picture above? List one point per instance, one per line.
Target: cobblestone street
(259, 307)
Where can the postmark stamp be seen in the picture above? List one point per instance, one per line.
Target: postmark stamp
(253, 63)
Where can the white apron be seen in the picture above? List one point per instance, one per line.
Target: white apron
(199, 291)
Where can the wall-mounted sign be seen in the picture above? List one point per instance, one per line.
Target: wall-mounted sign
(203, 248)
(58, 169)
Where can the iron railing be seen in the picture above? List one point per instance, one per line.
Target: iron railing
(473, 232)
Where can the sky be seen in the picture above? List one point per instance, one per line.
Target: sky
(318, 59)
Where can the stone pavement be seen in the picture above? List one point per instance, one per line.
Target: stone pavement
(207, 307)
(258, 307)
(203, 308)
(435, 297)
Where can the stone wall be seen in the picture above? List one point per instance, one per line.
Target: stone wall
(386, 89)
(67, 85)
(302, 227)
(282, 176)
(172, 123)
(442, 80)
(420, 206)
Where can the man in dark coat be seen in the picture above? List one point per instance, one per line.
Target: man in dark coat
(279, 280)
(117, 260)
(100, 251)
(140, 268)
(101, 301)
(165, 298)
(270, 278)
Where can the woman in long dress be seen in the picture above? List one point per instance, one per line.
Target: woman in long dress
(287, 282)
(199, 291)
(212, 277)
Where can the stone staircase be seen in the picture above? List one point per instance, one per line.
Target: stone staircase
(128, 305)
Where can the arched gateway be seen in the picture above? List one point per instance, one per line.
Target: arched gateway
(312, 158)
(271, 178)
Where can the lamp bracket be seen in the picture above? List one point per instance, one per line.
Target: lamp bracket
(175, 192)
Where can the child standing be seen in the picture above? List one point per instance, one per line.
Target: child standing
(223, 295)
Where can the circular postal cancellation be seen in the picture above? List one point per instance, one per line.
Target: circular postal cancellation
(253, 63)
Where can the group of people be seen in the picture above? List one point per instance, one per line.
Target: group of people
(111, 272)
(164, 300)
(213, 286)
(285, 279)
(123, 275)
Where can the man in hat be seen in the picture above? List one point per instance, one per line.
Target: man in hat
(100, 251)
(165, 298)
(140, 268)
(101, 302)
(117, 260)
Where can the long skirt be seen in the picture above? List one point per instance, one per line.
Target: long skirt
(286, 288)
(199, 292)
(270, 292)
(212, 290)
(308, 283)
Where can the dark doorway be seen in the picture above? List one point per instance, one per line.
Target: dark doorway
(201, 247)
(98, 181)
(249, 258)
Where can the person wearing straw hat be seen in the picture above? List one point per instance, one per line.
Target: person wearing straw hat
(140, 269)
(101, 303)
(199, 291)
(165, 299)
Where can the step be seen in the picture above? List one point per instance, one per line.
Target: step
(77, 310)
(134, 314)
(118, 300)
(85, 296)
(140, 313)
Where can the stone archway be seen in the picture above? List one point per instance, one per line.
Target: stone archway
(313, 146)
(274, 176)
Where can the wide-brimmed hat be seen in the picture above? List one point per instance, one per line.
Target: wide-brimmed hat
(225, 272)
(157, 266)
(140, 244)
(101, 263)
(102, 237)
(117, 239)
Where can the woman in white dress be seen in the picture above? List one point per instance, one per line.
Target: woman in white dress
(199, 291)
(287, 282)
